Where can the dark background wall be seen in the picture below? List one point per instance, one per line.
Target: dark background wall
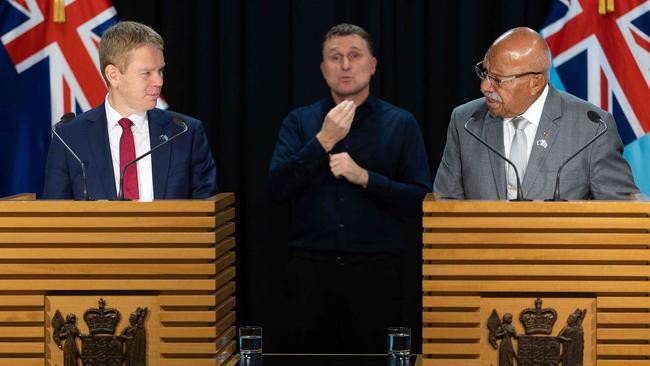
(241, 65)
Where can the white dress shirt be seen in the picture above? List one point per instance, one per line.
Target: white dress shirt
(533, 115)
(140, 131)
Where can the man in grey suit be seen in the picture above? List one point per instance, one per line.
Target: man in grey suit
(535, 126)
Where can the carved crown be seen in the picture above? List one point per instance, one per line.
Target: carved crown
(102, 320)
(537, 320)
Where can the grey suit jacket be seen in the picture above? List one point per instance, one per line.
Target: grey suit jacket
(468, 170)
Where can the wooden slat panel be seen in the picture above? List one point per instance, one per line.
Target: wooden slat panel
(22, 347)
(225, 322)
(61, 269)
(623, 363)
(224, 292)
(535, 238)
(535, 208)
(534, 270)
(451, 348)
(225, 215)
(22, 361)
(451, 317)
(451, 333)
(224, 246)
(187, 348)
(223, 200)
(608, 223)
(450, 362)
(225, 307)
(187, 361)
(624, 334)
(224, 261)
(186, 300)
(22, 332)
(56, 238)
(187, 316)
(623, 349)
(623, 302)
(224, 230)
(102, 285)
(226, 353)
(108, 253)
(538, 254)
(224, 276)
(22, 300)
(187, 332)
(135, 222)
(451, 301)
(540, 286)
(21, 316)
(70, 207)
(623, 318)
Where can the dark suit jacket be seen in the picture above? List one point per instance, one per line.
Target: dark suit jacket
(468, 170)
(182, 169)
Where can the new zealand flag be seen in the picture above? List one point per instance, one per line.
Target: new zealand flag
(604, 57)
(47, 68)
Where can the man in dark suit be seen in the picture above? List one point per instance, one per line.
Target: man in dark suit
(128, 125)
(535, 126)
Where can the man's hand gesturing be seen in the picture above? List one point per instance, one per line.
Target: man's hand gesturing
(337, 124)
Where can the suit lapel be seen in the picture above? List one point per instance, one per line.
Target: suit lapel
(546, 131)
(159, 127)
(101, 150)
(494, 136)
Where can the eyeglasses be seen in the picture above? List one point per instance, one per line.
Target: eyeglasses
(497, 82)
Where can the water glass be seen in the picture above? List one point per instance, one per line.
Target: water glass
(399, 342)
(250, 341)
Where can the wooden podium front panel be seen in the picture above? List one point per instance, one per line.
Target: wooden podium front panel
(177, 257)
(477, 252)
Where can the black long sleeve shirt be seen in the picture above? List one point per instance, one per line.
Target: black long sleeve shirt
(331, 214)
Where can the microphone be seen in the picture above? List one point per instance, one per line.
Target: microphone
(65, 119)
(476, 115)
(595, 118)
(178, 122)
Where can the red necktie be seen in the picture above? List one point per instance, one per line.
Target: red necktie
(127, 153)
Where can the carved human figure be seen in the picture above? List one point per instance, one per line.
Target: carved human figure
(506, 350)
(572, 338)
(70, 332)
(135, 353)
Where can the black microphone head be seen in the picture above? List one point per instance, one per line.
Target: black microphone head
(594, 117)
(67, 117)
(178, 121)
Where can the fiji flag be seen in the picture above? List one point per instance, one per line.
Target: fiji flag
(601, 52)
(49, 66)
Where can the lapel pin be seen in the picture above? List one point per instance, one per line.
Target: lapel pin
(545, 133)
(163, 138)
(542, 143)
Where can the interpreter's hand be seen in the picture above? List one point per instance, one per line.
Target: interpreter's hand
(342, 165)
(336, 125)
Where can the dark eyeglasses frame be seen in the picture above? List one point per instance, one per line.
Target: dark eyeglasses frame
(497, 82)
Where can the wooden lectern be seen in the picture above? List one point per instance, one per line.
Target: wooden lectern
(481, 256)
(176, 258)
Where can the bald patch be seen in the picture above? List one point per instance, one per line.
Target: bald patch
(522, 47)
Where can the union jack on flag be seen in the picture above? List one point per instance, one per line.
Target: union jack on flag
(47, 68)
(605, 59)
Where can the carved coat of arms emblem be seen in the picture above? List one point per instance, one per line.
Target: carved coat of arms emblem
(535, 350)
(101, 347)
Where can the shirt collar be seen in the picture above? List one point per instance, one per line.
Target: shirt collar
(534, 113)
(370, 102)
(113, 116)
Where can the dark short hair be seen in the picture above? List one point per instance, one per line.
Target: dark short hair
(346, 29)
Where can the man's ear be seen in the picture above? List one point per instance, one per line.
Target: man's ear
(112, 74)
